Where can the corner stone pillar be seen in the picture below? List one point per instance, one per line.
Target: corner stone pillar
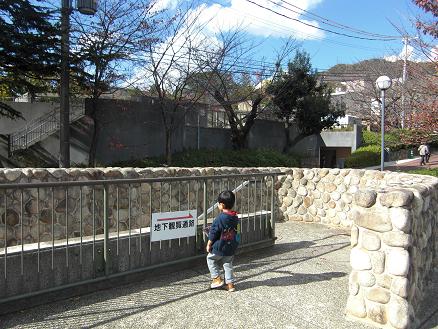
(379, 284)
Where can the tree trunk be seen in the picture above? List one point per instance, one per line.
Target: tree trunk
(238, 139)
(287, 145)
(239, 133)
(168, 146)
(297, 139)
(94, 136)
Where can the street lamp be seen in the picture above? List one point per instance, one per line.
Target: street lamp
(87, 7)
(383, 83)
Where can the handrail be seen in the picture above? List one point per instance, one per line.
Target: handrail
(44, 126)
(133, 180)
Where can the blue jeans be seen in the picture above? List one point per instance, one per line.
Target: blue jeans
(213, 262)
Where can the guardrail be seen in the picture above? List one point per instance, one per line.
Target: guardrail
(58, 235)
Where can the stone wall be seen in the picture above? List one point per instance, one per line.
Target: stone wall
(61, 213)
(394, 229)
(393, 219)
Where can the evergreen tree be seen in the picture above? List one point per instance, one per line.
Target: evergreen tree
(300, 99)
(28, 49)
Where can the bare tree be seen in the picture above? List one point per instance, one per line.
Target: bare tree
(167, 69)
(105, 45)
(232, 76)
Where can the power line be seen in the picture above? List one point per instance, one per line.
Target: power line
(317, 27)
(336, 24)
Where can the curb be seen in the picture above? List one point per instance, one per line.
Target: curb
(393, 163)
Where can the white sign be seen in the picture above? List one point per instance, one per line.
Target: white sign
(173, 225)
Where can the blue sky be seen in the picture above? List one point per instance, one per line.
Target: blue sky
(382, 17)
(266, 21)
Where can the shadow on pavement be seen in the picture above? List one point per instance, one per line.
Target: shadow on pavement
(291, 279)
(104, 307)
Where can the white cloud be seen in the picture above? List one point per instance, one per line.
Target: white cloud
(256, 20)
(413, 55)
(259, 21)
(164, 4)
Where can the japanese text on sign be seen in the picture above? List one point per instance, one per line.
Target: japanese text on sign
(173, 225)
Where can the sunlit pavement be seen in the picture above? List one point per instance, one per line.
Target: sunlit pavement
(301, 282)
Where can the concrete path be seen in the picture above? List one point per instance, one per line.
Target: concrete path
(301, 282)
(408, 164)
(414, 164)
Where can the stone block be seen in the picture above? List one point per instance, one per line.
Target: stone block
(377, 313)
(378, 261)
(321, 213)
(365, 198)
(296, 218)
(307, 201)
(287, 201)
(396, 198)
(347, 198)
(397, 239)
(356, 306)
(373, 219)
(379, 295)
(400, 286)
(398, 313)
(401, 219)
(302, 191)
(359, 259)
(370, 241)
(335, 196)
(330, 187)
(398, 262)
(384, 280)
(366, 278)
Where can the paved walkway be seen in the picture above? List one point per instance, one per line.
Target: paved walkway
(414, 164)
(301, 282)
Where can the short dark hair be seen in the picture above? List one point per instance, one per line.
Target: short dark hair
(227, 198)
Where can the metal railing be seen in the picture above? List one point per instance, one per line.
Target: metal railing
(56, 235)
(44, 126)
(213, 118)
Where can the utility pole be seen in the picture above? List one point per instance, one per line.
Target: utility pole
(405, 59)
(86, 7)
(64, 116)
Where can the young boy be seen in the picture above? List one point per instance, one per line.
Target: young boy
(223, 239)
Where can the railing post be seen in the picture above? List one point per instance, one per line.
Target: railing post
(272, 209)
(105, 230)
(9, 145)
(205, 210)
(25, 138)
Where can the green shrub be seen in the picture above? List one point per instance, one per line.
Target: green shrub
(365, 156)
(370, 138)
(221, 158)
(392, 139)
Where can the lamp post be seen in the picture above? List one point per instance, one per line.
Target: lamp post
(87, 7)
(383, 83)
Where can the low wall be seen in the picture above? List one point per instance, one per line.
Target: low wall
(44, 210)
(394, 234)
(393, 219)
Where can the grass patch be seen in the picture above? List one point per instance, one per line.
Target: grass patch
(430, 172)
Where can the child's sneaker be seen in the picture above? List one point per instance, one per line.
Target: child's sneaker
(217, 283)
(230, 287)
